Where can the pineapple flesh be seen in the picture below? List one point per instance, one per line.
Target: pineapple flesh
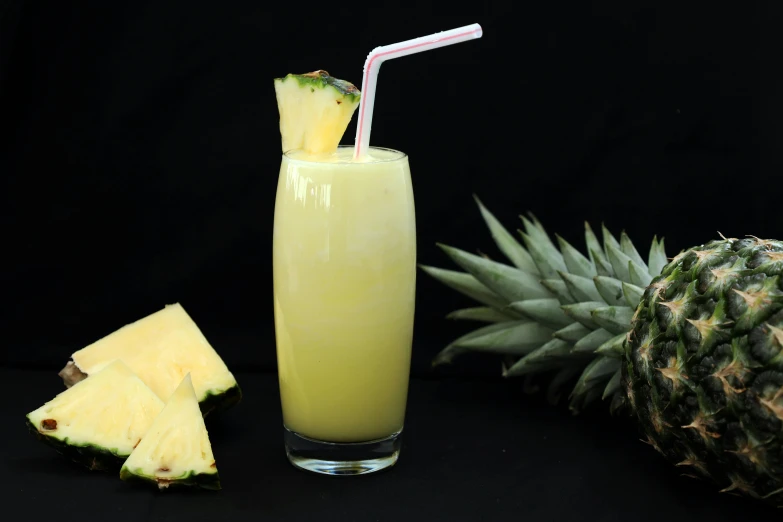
(161, 348)
(176, 449)
(98, 421)
(691, 347)
(315, 110)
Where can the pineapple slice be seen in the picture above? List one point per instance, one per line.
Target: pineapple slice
(98, 421)
(176, 448)
(161, 348)
(315, 110)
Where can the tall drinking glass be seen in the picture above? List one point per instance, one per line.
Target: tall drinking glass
(344, 253)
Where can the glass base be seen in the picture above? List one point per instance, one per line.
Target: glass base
(331, 458)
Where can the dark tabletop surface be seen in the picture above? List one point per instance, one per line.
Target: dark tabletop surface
(474, 450)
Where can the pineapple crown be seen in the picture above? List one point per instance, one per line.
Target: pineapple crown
(553, 309)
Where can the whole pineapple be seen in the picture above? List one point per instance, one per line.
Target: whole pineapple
(692, 347)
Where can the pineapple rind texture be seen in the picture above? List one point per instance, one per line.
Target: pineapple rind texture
(692, 347)
(321, 79)
(703, 364)
(190, 480)
(90, 456)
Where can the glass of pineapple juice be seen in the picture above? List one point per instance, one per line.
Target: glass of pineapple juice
(344, 265)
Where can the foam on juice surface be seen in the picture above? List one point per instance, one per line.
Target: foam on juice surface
(345, 155)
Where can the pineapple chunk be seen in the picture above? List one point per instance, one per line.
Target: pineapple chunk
(176, 449)
(161, 348)
(98, 421)
(315, 109)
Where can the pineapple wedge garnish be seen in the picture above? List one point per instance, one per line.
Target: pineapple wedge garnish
(315, 110)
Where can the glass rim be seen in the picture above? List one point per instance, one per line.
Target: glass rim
(398, 156)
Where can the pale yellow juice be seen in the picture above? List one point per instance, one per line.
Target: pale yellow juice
(344, 289)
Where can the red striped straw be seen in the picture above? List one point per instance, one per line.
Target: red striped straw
(380, 54)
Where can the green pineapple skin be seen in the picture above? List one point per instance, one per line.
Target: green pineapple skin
(709, 395)
(90, 456)
(213, 403)
(320, 79)
(209, 481)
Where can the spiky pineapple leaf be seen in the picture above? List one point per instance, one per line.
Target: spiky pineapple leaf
(611, 290)
(615, 319)
(590, 342)
(545, 311)
(576, 263)
(581, 312)
(613, 385)
(582, 288)
(484, 314)
(537, 222)
(446, 355)
(602, 265)
(559, 380)
(559, 289)
(583, 305)
(638, 276)
(633, 294)
(657, 259)
(594, 250)
(535, 229)
(626, 245)
(512, 337)
(619, 402)
(467, 285)
(546, 257)
(614, 347)
(549, 356)
(595, 373)
(572, 333)
(580, 402)
(521, 338)
(506, 242)
(619, 263)
(609, 241)
(506, 281)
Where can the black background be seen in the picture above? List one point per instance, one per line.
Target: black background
(140, 146)
(143, 152)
